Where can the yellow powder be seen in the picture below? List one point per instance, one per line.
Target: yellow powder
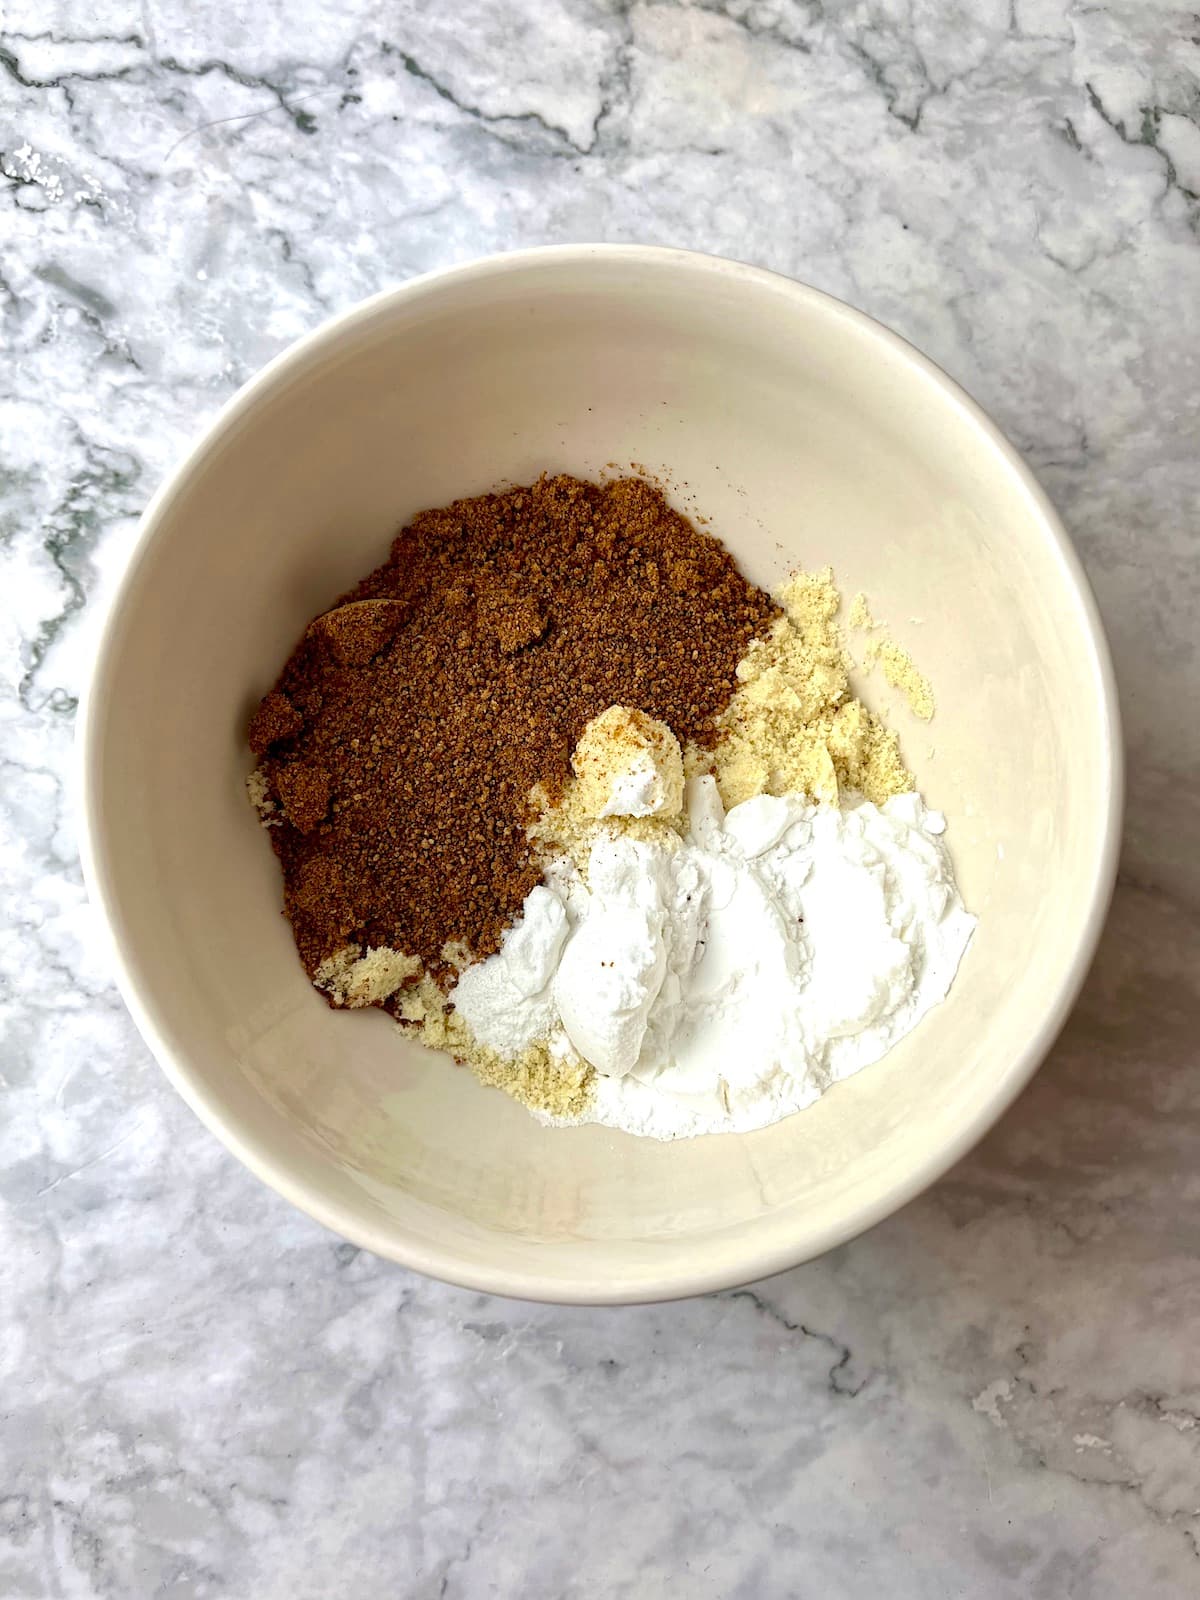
(352, 978)
(259, 790)
(618, 741)
(793, 725)
(610, 744)
(570, 828)
(898, 666)
(561, 1089)
(456, 953)
(901, 672)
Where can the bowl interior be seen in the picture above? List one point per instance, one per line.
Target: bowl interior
(807, 436)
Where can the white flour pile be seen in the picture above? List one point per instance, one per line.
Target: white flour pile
(723, 972)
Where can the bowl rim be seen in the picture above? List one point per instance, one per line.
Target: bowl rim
(678, 1278)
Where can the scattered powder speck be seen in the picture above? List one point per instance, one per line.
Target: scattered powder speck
(259, 789)
(902, 673)
(897, 665)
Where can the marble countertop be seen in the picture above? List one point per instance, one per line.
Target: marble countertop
(996, 1393)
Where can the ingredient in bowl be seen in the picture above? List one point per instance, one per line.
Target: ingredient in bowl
(899, 668)
(628, 765)
(793, 726)
(409, 731)
(901, 672)
(726, 981)
(473, 773)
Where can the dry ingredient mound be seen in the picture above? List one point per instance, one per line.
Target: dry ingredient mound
(792, 725)
(405, 735)
(421, 760)
(554, 1086)
(629, 764)
(594, 798)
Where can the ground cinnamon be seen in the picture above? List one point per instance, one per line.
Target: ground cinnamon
(413, 719)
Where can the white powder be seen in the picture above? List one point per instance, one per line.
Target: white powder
(615, 963)
(725, 983)
(639, 791)
(628, 764)
(506, 999)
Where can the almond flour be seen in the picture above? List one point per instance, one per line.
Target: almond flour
(898, 666)
(553, 1086)
(793, 726)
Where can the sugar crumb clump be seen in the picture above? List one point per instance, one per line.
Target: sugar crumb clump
(275, 720)
(304, 790)
(357, 631)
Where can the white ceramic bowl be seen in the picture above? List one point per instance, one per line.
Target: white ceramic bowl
(808, 434)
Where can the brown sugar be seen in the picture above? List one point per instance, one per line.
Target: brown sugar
(509, 622)
(304, 791)
(275, 719)
(516, 620)
(356, 632)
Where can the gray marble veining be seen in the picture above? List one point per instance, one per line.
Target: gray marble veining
(997, 1393)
